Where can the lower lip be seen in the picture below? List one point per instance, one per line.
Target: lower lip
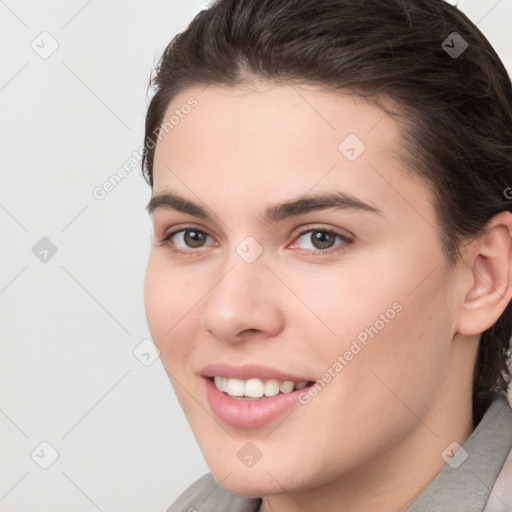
(250, 413)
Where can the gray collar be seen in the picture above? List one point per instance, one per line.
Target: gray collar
(468, 486)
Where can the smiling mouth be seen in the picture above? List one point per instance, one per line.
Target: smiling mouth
(255, 389)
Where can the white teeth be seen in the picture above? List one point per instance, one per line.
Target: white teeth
(286, 386)
(271, 387)
(256, 388)
(221, 383)
(235, 387)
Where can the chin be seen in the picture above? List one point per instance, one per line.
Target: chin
(248, 485)
(265, 478)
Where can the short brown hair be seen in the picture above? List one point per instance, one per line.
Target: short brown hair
(457, 108)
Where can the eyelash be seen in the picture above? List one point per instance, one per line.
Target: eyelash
(166, 241)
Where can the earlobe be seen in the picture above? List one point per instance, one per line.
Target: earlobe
(490, 267)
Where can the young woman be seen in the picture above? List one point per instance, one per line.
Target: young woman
(331, 270)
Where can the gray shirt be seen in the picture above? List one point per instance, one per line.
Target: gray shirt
(478, 474)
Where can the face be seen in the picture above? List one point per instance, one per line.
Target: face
(292, 244)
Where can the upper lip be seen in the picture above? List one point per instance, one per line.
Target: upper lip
(249, 371)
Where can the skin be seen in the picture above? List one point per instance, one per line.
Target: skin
(372, 439)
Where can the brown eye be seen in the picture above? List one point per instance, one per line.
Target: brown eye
(322, 239)
(193, 238)
(185, 240)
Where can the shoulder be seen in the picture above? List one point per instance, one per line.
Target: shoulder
(205, 495)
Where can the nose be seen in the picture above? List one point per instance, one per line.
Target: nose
(243, 303)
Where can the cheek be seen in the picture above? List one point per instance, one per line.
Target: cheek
(403, 360)
(397, 371)
(342, 300)
(391, 317)
(169, 300)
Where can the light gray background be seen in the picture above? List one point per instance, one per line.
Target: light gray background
(69, 326)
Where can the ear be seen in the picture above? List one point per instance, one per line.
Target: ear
(488, 259)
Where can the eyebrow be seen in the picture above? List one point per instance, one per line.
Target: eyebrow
(336, 200)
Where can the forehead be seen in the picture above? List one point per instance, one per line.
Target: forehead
(303, 116)
(270, 141)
